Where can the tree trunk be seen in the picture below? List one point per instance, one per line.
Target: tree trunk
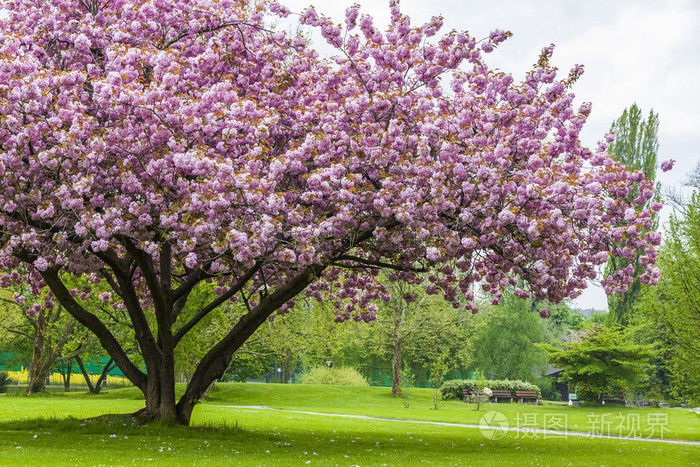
(90, 386)
(217, 360)
(66, 376)
(168, 404)
(38, 372)
(109, 366)
(284, 374)
(397, 347)
(97, 387)
(37, 379)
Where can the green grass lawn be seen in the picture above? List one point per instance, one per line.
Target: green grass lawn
(39, 430)
(674, 423)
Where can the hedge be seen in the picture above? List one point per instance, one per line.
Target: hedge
(453, 389)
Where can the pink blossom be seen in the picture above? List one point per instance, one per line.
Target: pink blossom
(432, 253)
(667, 165)
(41, 264)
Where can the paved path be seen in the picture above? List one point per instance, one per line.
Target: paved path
(467, 425)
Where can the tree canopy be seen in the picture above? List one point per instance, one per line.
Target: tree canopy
(600, 362)
(154, 145)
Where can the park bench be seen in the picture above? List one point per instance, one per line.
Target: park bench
(496, 393)
(467, 395)
(472, 396)
(522, 395)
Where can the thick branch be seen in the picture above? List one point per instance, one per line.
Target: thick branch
(145, 263)
(73, 354)
(227, 24)
(166, 285)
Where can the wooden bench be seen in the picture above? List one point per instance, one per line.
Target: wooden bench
(496, 393)
(467, 395)
(522, 395)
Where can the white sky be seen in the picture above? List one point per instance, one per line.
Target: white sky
(634, 51)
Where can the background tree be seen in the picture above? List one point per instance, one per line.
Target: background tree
(54, 335)
(153, 146)
(673, 307)
(600, 362)
(505, 346)
(636, 146)
(425, 326)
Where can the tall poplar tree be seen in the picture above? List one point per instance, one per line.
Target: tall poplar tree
(636, 145)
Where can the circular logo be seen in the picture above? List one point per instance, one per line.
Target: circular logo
(492, 425)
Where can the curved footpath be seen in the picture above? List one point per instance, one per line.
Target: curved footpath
(467, 425)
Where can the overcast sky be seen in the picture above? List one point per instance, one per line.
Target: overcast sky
(634, 51)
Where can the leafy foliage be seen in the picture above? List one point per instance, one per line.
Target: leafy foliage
(342, 376)
(600, 362)
(504, 348)
(4, 381)
(673, 308)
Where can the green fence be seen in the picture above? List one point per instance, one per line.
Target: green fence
(94, 366)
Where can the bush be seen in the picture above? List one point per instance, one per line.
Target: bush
(453, 388)
(342, 376)
(548, 389)
(4, 381)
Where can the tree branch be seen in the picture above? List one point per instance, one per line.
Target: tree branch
(216, 303)
(379, 264)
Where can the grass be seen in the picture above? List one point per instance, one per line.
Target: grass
(677, 423)
(40, 430)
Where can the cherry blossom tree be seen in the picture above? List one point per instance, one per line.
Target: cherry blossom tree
(155, 145)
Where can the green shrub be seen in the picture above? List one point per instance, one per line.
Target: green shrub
(4, 381)
(342, 376)
(453, 388)
(548, 389)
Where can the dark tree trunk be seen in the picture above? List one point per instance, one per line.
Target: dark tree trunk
(66, 376)
(38, 371)
(37, 380)
(90, 386)
(109, 366)
(285, 368)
